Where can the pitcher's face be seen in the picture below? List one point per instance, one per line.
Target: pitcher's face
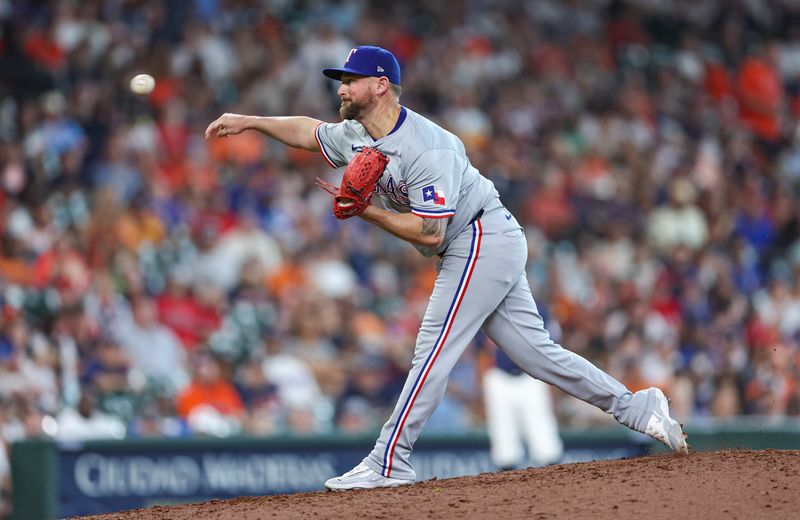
(357, 94)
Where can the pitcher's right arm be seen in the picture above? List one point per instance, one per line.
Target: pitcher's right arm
(294, 131)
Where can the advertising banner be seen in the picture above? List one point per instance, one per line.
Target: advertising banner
(106, 478)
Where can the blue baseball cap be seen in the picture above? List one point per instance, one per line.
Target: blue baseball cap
(368, 61)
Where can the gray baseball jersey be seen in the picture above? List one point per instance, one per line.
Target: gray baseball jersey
(428, 173)
(481, 283)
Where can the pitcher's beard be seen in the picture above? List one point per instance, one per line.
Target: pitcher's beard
(350, 110)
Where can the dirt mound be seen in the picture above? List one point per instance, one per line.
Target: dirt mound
(709, 485)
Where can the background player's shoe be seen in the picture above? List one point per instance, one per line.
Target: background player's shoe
(362, 477)
(664, 428)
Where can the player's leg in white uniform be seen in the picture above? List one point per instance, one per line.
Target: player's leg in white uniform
(538, 420)
(482, 279)
(519, 416)
(502, 418)
(474, 276)
(518, 329)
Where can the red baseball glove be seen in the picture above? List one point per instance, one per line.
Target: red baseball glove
(358, 183)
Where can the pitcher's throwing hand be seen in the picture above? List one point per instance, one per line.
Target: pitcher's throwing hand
(227, 124)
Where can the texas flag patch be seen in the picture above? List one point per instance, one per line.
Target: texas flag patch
(431, 194)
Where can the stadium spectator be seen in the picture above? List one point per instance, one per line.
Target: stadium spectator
(86, 422)
(210, 403)
(154, 350)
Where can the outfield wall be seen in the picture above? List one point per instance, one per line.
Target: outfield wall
(56, 480)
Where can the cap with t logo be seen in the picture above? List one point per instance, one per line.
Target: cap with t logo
(368, 61)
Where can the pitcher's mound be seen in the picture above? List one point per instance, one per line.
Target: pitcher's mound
(709, 485)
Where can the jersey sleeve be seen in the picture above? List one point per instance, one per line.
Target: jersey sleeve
(333, 140)
(433, 183)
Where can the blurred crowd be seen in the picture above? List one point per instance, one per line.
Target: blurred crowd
(155, 284)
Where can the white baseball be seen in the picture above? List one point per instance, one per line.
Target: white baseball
(142, 84)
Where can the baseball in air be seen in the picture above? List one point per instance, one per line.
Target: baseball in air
(142, 84)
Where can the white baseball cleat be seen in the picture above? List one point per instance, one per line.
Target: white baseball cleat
(664, 428)
(362, 477)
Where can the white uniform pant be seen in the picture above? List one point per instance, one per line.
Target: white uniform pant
(519, 415)
(482, 285)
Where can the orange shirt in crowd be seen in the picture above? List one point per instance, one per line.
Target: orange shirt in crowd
(221, 395)
(16, 271)
(134, 231)
(243, 149)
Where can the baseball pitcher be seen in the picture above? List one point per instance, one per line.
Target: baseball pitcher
(427, 193)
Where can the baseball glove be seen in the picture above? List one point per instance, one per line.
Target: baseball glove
(358, 183)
